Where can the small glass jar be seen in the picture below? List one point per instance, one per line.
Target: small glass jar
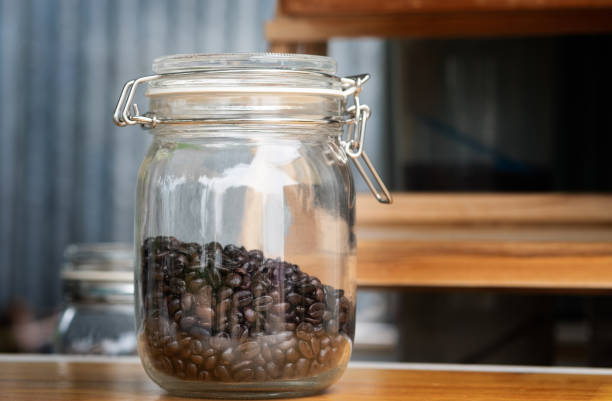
(245, 282)
(98, 286)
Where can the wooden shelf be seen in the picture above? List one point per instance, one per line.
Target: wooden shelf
(486, 209)
(300, 22)
(532, 242)
(89, 378)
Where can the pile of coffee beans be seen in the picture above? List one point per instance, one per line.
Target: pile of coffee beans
(230, 314)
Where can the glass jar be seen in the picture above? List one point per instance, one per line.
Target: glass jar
(98, 286)
(245, 282)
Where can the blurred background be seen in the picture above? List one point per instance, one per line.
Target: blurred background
(521, 114)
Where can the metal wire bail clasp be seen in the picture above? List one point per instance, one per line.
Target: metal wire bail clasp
(127, 113)
(353, 142)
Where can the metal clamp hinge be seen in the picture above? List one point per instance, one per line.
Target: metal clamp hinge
(126, 112)
(354, 138)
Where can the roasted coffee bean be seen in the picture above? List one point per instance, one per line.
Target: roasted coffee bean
(171, 348)
(332, 326)
(210, 362)
(187, 322)
(265, 352)
(224, 293)
(239, 331)
(283, 336)
(259, 360)
(212, 276)
(255, 255)
(179, 365)
(191, 370)
(305, 349)
(249, 349)
(186, 301)
(337, 340)
(288, 370)
(223, 307)
(316, 310)
(241, 365)
(294, 298)
(301, 367)
(285, 345)
(220, 341)
(166, 364)
(278, 356)
(243, 298)
(273, 369)
(204, 296)
(315, 367)
(315, 345)
(324, 355)
(281, 307)
(259, 289)
(177, 286)
(304, 331)
(205, 314)
(292, 355)
(173, 306)
(222, 373)
(250, 315)
(237, 315)
(185, 345)
(262, 303)
(233, 280)
(195, 285)
(227, 356)
(334, 355)
(201, 331)
(306, 289)
(260, 373)
(178, 315)
(245, 374)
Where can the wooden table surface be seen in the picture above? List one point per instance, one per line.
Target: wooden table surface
(62, 378)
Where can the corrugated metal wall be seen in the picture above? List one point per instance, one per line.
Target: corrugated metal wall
(67, 174)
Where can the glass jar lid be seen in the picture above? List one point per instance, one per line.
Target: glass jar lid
(180, 63)
(99, 272)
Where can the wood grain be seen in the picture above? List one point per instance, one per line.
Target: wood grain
(368, 7)
(551, 266)
(450, 24)
(536, 242)
(317, 48)
(483, 209)
(61, 380)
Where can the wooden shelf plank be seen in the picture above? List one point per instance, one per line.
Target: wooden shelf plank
(367, 7)
(557, 266)
(551, 242)
(448, 24)
(445, 208)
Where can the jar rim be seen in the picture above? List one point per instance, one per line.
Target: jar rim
(183, 63)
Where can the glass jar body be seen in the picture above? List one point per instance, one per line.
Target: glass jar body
(245, 260)
(96, 328)
(98, 313)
